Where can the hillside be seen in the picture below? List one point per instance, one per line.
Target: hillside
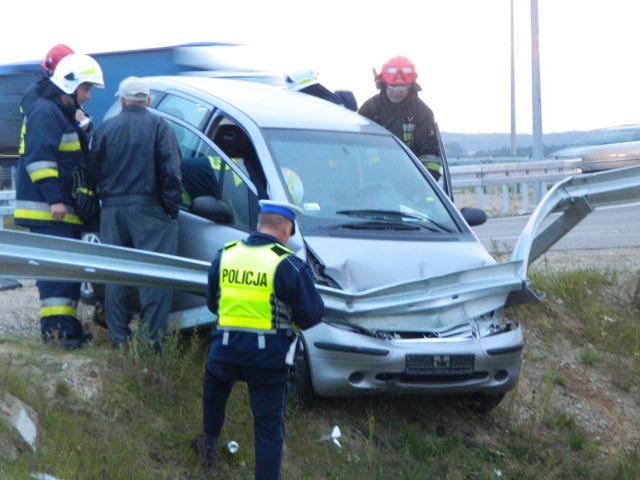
(492, 142)
(575, 413)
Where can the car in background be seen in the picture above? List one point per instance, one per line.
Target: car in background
(410, 302)
(605, 149)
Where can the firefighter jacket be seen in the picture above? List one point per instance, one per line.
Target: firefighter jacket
(411, 120)
(135, 160)
(259, 289)
(53, 149)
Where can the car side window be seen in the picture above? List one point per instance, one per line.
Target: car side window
(211, 187)
(190, 110)
(237, 145)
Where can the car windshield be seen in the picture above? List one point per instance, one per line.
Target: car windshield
(606, 137)
(356, 183)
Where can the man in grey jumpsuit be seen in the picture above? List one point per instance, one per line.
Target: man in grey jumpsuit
(136, 162)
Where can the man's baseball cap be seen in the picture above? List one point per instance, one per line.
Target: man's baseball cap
(133, 89)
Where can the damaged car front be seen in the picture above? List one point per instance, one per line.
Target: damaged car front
(414, 302)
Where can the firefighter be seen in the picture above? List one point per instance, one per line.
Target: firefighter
(47, 66)
(33, 92)
(54, 146)
(307, 80)
(260, 291)
(399, 109)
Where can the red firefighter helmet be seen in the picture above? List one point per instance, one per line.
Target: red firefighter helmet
(53, 56)
(398, 70)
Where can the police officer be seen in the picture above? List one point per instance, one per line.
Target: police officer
(399, 109)
(260, 291)
(54, 147)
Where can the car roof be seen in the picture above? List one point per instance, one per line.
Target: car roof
(268, 106)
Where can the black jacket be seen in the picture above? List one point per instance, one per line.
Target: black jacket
(135, 160)
(411, 113)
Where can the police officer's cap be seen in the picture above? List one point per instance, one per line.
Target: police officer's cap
(286, 209)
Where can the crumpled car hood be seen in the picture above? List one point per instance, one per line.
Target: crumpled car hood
(358, 265)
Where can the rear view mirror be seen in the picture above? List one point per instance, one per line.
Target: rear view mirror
(473, 216)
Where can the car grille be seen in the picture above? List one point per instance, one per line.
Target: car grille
(464, 330)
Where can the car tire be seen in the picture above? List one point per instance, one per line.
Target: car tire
(300, 384)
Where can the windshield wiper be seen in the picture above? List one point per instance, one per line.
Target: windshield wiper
(378, 225)
(394, 216)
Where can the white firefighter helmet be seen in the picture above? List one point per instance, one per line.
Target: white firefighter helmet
(75, 69)
(301, 78)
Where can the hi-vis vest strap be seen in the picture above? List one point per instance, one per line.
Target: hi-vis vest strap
(246, 287)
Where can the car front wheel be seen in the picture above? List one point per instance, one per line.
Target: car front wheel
(300, 385)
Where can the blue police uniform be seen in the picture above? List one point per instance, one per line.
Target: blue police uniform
(256, 356)
(53, 149)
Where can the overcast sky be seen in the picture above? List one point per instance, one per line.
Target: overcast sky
(590, 73)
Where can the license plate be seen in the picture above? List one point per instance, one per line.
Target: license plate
(439, 364)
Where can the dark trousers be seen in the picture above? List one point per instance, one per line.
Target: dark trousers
(267, 393)
(145, 227)
(59, 300)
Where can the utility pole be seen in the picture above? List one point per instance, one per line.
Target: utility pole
(514, 148)
(538, 150)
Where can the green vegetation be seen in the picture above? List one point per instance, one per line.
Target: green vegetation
(142, 422)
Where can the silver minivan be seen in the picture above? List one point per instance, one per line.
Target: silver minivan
(395, 261)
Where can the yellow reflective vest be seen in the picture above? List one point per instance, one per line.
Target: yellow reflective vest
(246, 285)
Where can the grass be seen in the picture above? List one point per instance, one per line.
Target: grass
(148, 411)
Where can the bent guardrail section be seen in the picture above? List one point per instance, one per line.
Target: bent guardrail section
(574, 198)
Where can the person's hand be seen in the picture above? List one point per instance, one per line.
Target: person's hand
(83, 120)
(58, 210)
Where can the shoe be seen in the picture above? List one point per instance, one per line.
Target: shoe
(205, 450)
(86, 337)
(66, 343)
(70, 343)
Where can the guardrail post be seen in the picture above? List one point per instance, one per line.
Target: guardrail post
(480, 197)
(525, 197)
(505, 199)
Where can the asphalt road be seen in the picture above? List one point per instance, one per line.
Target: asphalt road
(607, 227)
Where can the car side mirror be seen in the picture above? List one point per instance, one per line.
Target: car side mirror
(212, 209)
(473, 216)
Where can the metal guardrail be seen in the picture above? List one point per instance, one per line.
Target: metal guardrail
(512, 174)
(7, 203)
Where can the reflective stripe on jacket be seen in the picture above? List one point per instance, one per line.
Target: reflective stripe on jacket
(52, 151)
(246, 286)
(56, 306)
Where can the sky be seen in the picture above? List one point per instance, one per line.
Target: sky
(589, 67)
